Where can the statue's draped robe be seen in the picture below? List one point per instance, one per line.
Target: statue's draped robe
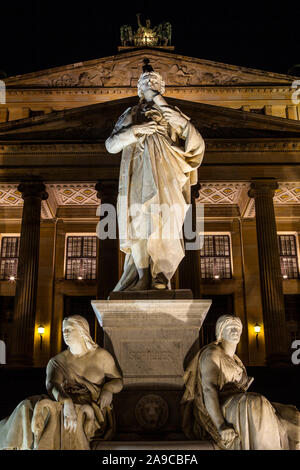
(16, 430)
(261, 425)
(156, 173)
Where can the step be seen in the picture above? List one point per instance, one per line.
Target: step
(155, 445)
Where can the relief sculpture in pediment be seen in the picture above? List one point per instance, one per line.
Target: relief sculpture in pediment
(82, 78)
(123, 72)
(203, 77)
(184, 75)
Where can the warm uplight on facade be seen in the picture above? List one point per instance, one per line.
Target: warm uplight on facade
(80, 278)
(285, 276)
(217, 276)
(12, 278)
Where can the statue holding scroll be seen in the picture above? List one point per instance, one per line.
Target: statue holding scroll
(161, 152)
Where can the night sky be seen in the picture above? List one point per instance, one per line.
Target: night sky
(36, 35)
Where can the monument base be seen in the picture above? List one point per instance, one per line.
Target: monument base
(152, 341)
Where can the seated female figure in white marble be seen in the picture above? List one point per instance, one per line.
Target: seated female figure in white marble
(80, 382)
(216, 400)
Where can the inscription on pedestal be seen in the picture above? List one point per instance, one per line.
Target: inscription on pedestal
(151, 338)
(148, 358)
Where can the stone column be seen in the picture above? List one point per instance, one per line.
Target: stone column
(262, 190)
(27, 277)
(189, 268)
(108, 249)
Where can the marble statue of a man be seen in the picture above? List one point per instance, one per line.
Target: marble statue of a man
(161, 153)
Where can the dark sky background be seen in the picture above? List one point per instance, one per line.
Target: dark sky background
(36, 35)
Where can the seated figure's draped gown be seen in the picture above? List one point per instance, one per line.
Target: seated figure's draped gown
(156, 173)
(16, 430)
(261, 425)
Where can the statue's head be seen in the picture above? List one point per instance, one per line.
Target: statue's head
(76, 330)
(229, 328)
(151, 80)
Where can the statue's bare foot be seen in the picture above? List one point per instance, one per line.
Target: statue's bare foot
(160, 282)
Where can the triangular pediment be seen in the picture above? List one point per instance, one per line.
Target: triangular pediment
(95, 123)
(123, 70)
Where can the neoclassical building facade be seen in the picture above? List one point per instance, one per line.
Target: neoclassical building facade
(55, 171)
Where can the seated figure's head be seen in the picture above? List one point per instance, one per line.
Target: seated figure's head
(152, 80)
(76, 330)
(228, 328)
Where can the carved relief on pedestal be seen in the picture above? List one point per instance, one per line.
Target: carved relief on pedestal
(151, 412)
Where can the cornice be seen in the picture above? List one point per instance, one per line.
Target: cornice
(52, 149)
(266, 145)
(97, 149)
(213, 89)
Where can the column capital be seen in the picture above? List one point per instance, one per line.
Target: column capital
(107, 191)
(33, 189)
(262, 187)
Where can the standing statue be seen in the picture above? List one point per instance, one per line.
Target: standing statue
(126, 35)
(80, 382)
(164, 33)
(216, 401)
(161, 153)
(145, 35)
(159, 35)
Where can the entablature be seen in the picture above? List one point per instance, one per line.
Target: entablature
(221, 200)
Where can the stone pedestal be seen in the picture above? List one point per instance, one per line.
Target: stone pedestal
(152, 340)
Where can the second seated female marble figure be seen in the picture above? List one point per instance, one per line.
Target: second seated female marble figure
(216, 401)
